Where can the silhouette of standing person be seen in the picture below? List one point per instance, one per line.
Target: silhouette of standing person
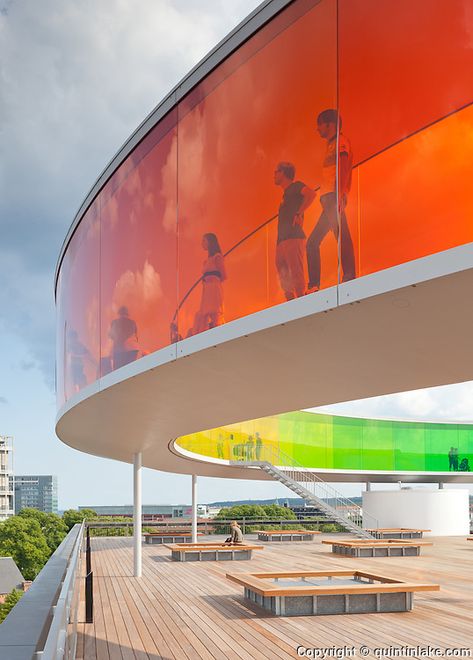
(220, 446)
(250, 447)
(210, 313)
(124, 335)
(259, 446)
(329, 127)
(77, 353)
(451, 459)
(297, 197)
(455, 458)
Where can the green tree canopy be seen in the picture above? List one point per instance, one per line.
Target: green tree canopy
(276, 511)
(52, 526)
(72, 516)
(22, 538)
(10, 602)
(255, 511)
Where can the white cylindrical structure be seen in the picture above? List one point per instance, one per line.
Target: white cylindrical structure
(137, 561)
(443, 511)
(194, 508)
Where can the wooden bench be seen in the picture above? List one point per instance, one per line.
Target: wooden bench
(286, 535)
(212, 551)
(376, 547)
(302, 593)
(169, 536)
(397, 533)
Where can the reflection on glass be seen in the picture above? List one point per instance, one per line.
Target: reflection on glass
(138, 276)
(78, 355)
(78, 309)
(228, 156)
(410, 122)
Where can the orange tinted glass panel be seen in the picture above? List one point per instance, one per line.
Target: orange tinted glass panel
(189, 232)
(138, 251)
(234, 129)
(415, 198)
(403, 65)
(78, 309)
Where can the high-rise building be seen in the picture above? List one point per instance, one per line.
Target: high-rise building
(6, 472)
(36, 491)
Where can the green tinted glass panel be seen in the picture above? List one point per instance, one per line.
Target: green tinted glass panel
(330, 442)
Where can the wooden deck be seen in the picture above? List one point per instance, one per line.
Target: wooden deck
(189, 610)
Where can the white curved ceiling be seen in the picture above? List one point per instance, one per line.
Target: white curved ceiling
(402, 329)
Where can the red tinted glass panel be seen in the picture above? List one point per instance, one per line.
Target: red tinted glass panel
(78, 310)
(138, 251)
(403, 65)
(234, 129)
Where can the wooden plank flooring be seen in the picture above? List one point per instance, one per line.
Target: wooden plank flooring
(190, 610)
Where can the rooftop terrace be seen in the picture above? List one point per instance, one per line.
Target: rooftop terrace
(190, 610)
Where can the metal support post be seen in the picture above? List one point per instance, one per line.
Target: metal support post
(137, 559)
(194, 508)
(89, 581)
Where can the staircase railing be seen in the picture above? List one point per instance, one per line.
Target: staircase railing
(263, 455)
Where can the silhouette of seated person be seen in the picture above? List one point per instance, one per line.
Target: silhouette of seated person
(124, 335)
(236, 537)
(464, 465)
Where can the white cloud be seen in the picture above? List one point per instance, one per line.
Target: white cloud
(76, 78)
(447, 403)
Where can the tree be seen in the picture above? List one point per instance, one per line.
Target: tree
(72, 516)
(276, 511)
(22, 538)
(10, 602)
(52, 526)
(249, 511)
(255, 511)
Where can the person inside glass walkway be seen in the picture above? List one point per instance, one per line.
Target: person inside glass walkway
(328, 125)
(124, 335)
(210, 312)
(297, 197)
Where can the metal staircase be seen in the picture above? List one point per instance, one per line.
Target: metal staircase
(307, 485)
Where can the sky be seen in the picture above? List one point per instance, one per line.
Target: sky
(76, 78)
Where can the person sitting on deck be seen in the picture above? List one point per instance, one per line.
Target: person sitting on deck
(236, 534)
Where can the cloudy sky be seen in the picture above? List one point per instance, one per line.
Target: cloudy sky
(76, 78)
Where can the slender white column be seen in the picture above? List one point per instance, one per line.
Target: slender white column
(194, 508)
(137, 514)
(368, 486)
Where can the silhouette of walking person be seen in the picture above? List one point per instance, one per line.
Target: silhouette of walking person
(329, 127)
(297, 197)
